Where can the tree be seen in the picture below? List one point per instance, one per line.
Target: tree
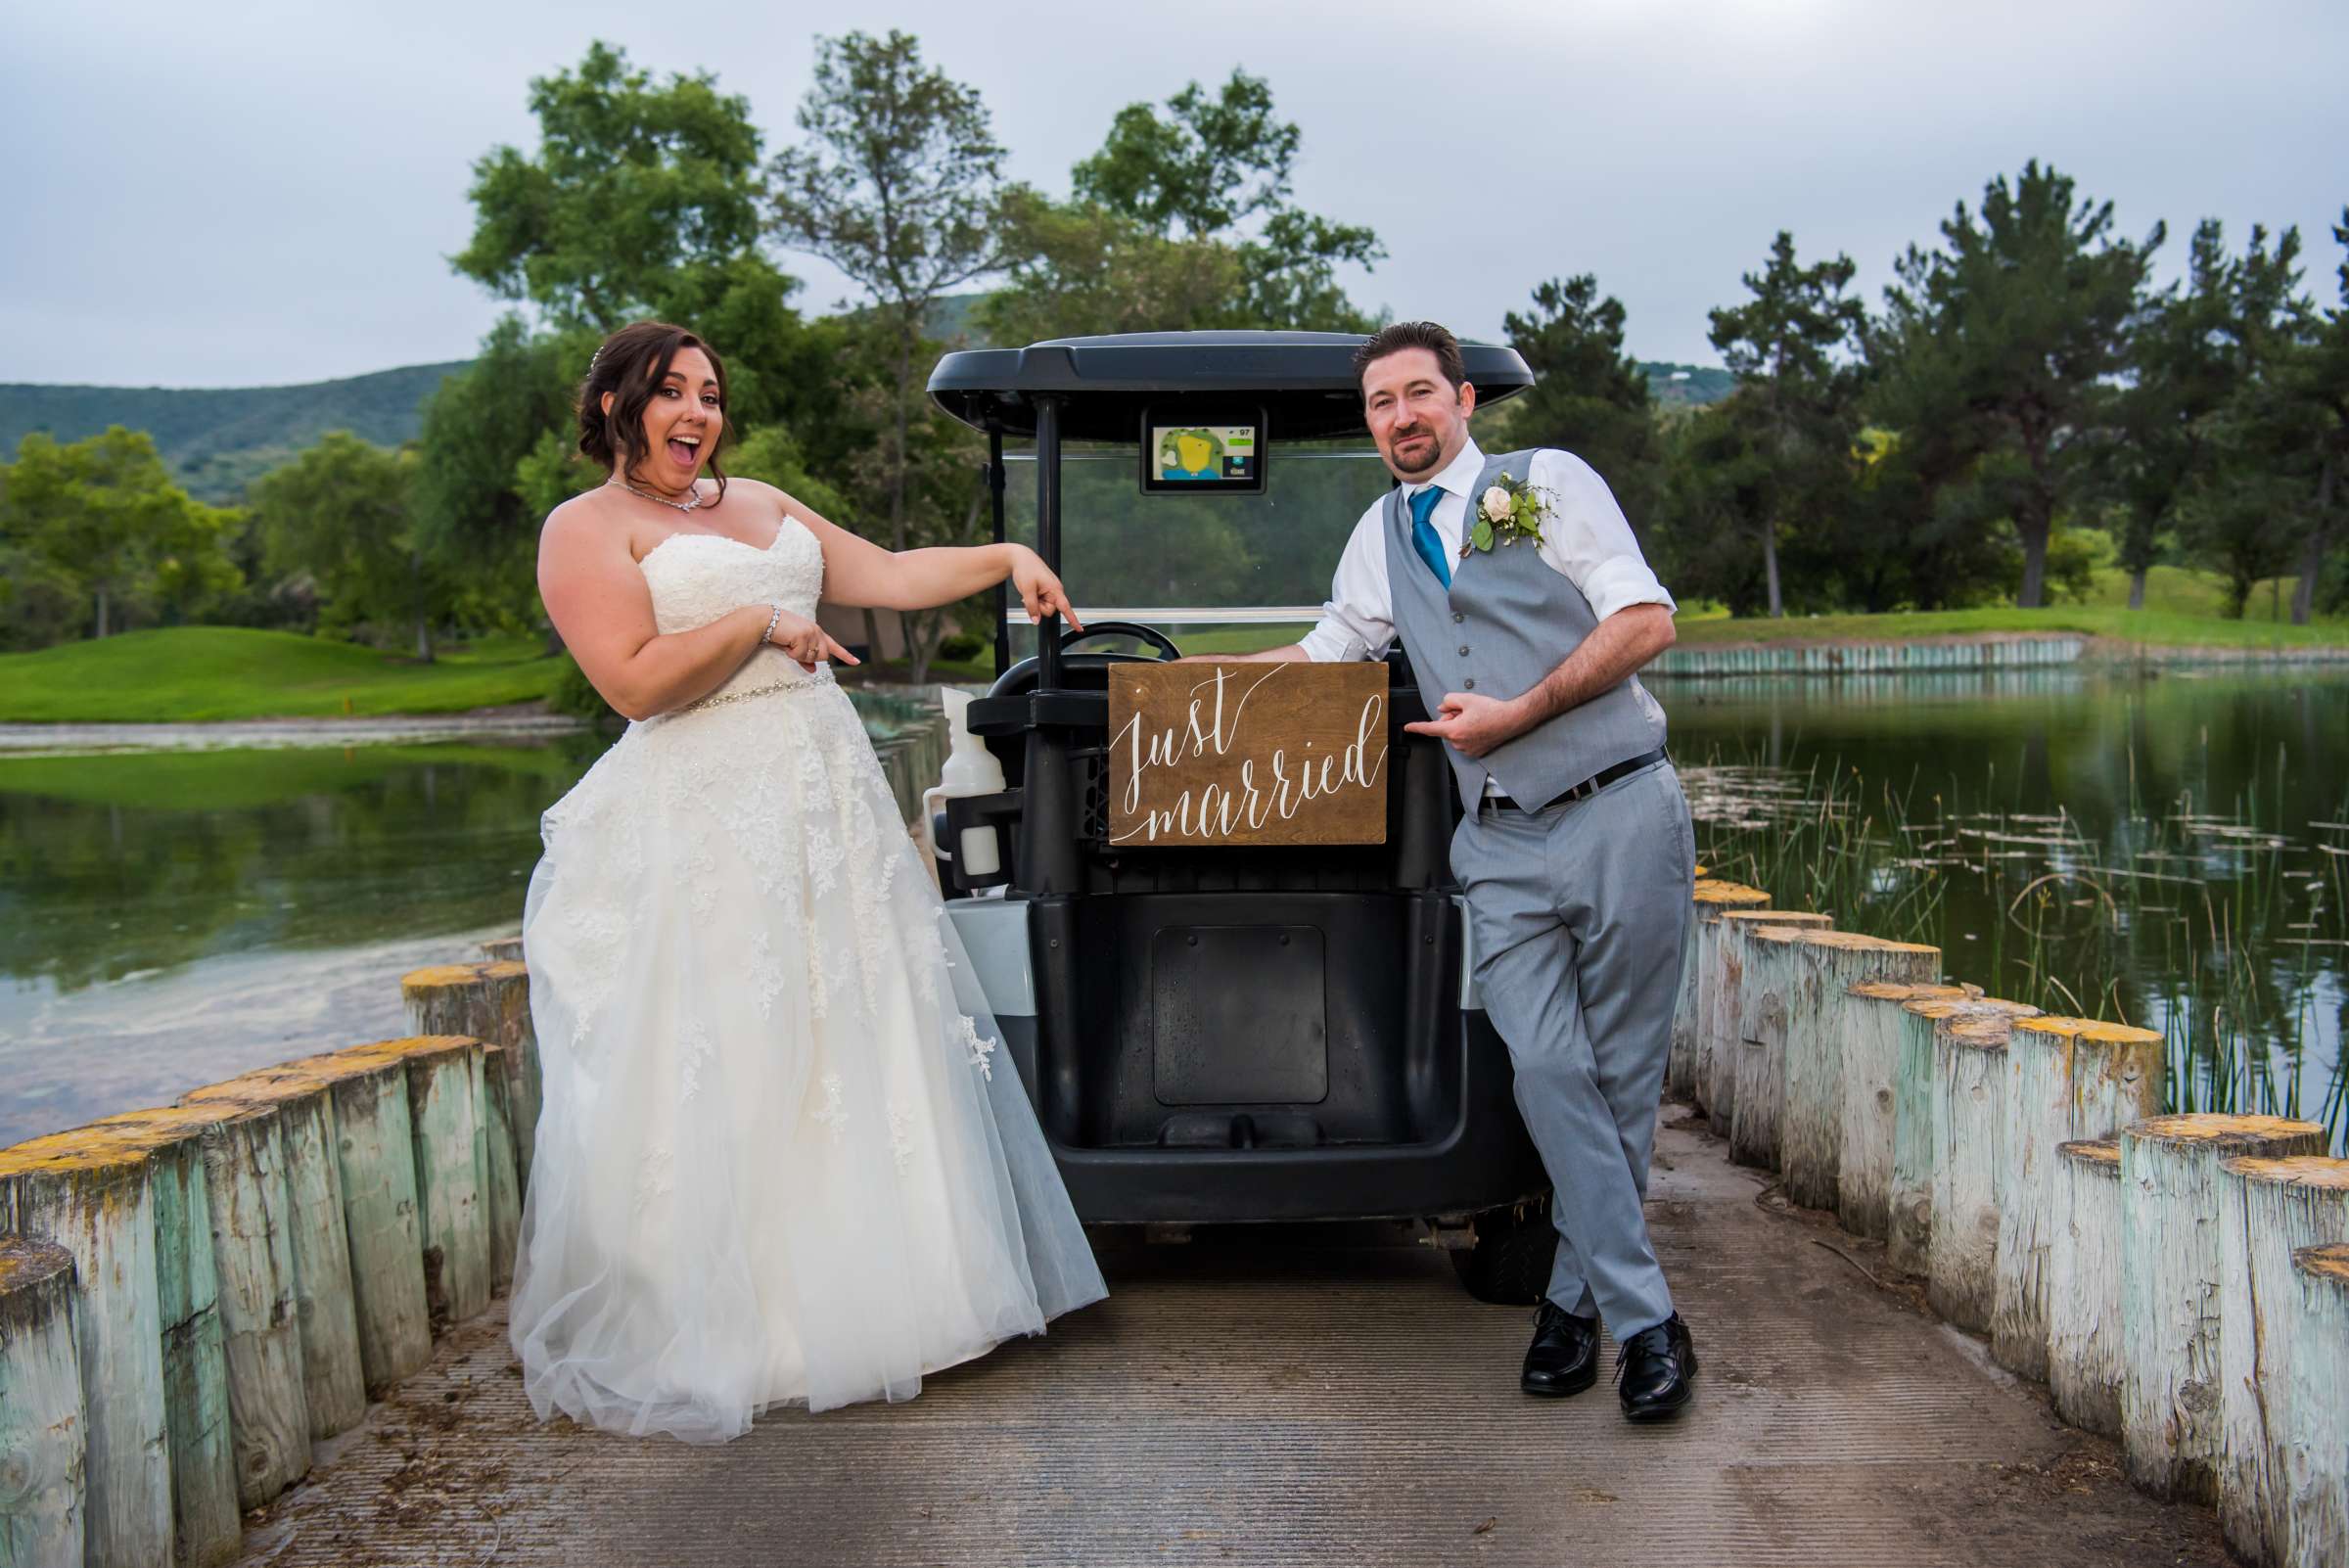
(1077, 270)
(636, 188)
(2196, 347)
(897, 185)
(471, 510)
(2313, 383)
(1191, 207)
(101, 524)
(1591, 397)
(341, 514)
(1797, 399)
(2007, 336)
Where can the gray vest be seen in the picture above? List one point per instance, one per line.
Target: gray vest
(1508, 622)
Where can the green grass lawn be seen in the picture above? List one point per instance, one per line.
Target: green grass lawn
(194, 674)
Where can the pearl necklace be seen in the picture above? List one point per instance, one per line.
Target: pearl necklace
(682, 506)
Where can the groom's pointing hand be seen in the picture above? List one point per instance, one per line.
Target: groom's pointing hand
(1473, 724)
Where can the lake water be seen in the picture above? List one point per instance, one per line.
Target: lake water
(167, 919)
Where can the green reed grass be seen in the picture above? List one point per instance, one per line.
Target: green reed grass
(2217, 948)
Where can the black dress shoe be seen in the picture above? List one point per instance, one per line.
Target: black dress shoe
(1656, 1372)
(1563, 1357)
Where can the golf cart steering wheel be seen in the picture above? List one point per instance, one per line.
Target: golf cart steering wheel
(1123, 628)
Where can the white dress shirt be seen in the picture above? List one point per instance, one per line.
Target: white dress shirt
(1584, 536)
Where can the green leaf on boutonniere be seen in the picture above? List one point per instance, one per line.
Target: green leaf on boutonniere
(1481, 539)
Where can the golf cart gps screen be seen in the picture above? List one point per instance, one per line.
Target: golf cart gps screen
(1208, 455)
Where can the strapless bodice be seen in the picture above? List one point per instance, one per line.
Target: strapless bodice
(697, 578)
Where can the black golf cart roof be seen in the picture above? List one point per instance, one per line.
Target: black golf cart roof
(1304, 381)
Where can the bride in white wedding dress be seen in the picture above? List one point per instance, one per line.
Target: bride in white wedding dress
(780, 1158)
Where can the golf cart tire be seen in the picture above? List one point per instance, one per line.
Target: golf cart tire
(1510, 1261)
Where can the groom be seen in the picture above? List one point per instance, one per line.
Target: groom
(1575, 850)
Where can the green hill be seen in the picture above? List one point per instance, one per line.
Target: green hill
(216, 440)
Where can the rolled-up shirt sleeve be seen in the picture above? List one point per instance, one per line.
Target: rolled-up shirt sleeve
(1359, 620)
(1588, 538)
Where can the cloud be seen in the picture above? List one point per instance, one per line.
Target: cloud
(268, 196)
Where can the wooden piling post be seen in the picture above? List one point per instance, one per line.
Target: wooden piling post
(1724, 1029)
(2170, 1288)
(1908, 1202)
(444, 1109)
(1871, 1072)
(374, 1139)
(1821, 1015)
(2084, 1285)
(502, 949)
(1679, 1073)
(490, 1002)
(1713, 901)
(1758, 1059)
(207, 1524)
(2315, 1477)
(2268, 1211)
(242, 1149)
(96, 1199)
(1967, 1110)
(2066, 1079)
(503, 1189)
(318, 1240)
(42, 1432)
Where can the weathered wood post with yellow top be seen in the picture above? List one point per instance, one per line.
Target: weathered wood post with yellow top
(41, 1428)
(490, 1002)
(96, 1198)
(2315, 1479)
(2067, 1079)
(317, 1238)
(1967, 1108)
(2170, 1288)
(1821, 1014)
(376, 1141)
(2268, 1211)
(447, 1134)
(1872, 1074)
(2085, 1367)
(243, 1148)
(1712, 900)
(1915, 1159)
(208, 1526)
(1677, 1072)
(1733, 952)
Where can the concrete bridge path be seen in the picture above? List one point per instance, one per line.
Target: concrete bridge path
(1306, 1394)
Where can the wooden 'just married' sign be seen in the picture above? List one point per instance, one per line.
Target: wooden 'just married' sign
(1268, 753)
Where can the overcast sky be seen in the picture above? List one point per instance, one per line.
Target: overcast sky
(239, 194)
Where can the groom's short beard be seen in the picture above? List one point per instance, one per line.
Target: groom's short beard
(1435, 450)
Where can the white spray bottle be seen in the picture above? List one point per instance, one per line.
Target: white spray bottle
(970, 770)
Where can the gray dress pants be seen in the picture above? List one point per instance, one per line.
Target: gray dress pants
(1576, 914)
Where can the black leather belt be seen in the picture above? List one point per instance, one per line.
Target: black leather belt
(1589, 786)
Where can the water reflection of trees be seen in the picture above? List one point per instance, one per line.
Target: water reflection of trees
(110, 865)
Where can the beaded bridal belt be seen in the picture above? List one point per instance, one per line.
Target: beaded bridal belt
(774, 688)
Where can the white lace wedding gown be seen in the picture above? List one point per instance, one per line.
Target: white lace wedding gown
(780, 1158)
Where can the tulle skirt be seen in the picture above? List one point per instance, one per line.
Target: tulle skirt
(780, 1158)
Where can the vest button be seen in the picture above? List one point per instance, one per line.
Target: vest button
(1458, 617)
(1469, 684)
(1463, 650)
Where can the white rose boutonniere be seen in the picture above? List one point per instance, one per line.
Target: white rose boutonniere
(1505, 513)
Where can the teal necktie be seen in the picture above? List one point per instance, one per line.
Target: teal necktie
(1424, 539)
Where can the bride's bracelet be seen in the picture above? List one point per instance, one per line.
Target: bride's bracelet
(772, 621)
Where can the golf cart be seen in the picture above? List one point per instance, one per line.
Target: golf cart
(1215, 1033)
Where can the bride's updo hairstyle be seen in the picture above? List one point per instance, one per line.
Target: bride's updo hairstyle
(630, 366)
